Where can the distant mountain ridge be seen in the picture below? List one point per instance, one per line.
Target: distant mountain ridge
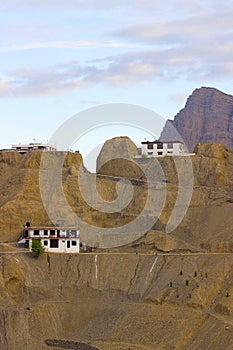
(206, 117)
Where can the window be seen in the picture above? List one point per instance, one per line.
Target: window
(73, 233)
(45, 232)
(170, 145)
(73, 243)
(150, 146)
(63, 233)
(53, 243)
(52, 232)
(150, 153)
(160, 145)
(68, 244)
(160, 153)
(46, 243)
(36, 232)
(169, 152)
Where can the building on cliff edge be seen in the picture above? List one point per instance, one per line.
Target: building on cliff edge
(34, 146)
(55, 239)
(161, 148)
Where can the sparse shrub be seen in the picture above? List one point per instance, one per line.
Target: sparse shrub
(37, 247)
(227, 295)
(181, 272)
(195, 274)
(170, 284)
(187, 282)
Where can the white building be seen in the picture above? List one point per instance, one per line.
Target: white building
(159, 148)
(24, 148)
(55, 239)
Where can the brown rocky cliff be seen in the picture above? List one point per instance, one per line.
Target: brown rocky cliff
(207, 224)
(116, 301)
(122, 301)
(206, 117)
(20, 198)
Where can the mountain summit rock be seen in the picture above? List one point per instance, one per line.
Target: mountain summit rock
(206, 117)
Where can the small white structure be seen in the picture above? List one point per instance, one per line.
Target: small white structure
(55, 239)
(37, 146)
(158, 148)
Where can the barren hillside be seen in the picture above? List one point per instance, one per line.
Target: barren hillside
(163, 291)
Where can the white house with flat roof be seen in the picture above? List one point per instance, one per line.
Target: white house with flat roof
(36, 146)
(158, 148)
(55, 239)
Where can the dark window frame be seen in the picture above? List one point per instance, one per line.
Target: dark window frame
(160, 145)
(170, 145)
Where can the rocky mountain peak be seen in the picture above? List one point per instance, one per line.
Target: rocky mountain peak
(206, 117)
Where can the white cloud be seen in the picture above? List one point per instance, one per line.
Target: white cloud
(143, 5)
(180, 31)
(122, 70)
(44, 82)
(193, 47)
(101, 3)
(66, 45)
(196, 47)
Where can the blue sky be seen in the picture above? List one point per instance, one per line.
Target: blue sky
(61, 57)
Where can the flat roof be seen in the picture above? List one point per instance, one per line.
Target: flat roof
(52, 228)
(157, 141)
(34, 145)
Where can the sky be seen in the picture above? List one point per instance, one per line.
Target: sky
(61, 57)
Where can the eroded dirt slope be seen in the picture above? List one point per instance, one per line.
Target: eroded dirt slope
(117, 301)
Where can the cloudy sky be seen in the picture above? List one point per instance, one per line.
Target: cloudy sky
(59, 57)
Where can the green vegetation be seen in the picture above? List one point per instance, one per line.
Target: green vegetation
(37, 247)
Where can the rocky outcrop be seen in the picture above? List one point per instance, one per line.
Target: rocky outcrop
(206, 117)
(116, 158)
